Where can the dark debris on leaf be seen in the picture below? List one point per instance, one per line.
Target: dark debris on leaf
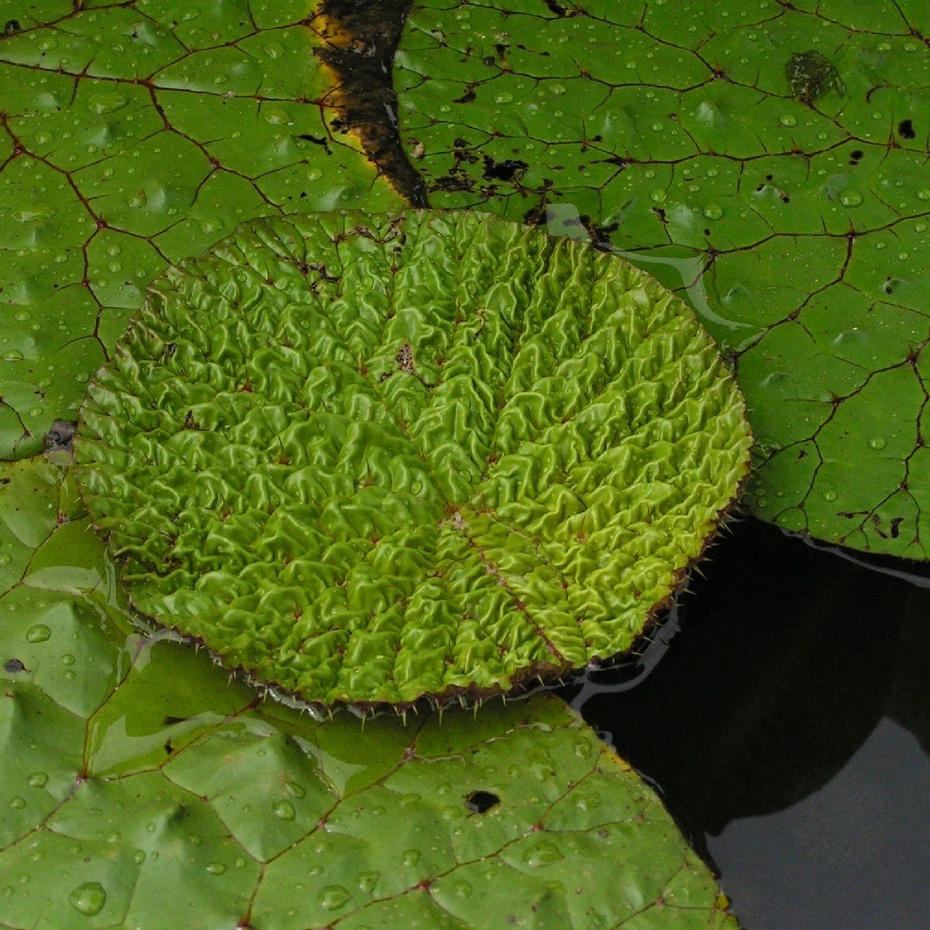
(59, 437)
(811, 75)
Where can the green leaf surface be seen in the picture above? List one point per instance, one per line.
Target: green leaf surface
(768, 161)
(372, 458)
(172, 797)
(133, 135)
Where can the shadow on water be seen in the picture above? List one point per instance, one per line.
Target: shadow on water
(789, 732)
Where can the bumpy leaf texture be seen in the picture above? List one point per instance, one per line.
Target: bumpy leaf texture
(370, 458)
(769, 159)
(137, 134)
(142, 790)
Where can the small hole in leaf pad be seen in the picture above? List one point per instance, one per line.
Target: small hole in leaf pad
(480, 802)
(13, 666)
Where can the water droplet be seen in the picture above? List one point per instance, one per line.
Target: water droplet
(38, 633)
(543, 853)
(276, 116)
(462, 889)
(923, 194)
(67, 659)
(211, 224)
(88, 899)
(503, 98)
(368, 880)
(5, 558)
(274, 50)
(13, 356)
(787, 119)
(37, 780)
(240, 862)
(332, 897)
(17, 803)
(294, 789)
(658, 196)
(850, 198)
(284, 810)
(829, 496)
(216, 868)
(410, 857)
(106, 102)
(557, 89)
(713, 211)
(138, 856)
(876, 442)
(195, 840)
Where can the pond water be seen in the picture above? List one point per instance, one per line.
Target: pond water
(788, 730)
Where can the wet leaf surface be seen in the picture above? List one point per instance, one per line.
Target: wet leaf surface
(768, 161)
(137, 134)
(375, 458)
(170, 796)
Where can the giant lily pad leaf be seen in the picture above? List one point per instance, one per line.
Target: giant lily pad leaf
(767, 159)
(372, 458)
(142, 789)
(133, 135)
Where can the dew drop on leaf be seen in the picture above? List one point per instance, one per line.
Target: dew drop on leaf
(543, 853)
(37, 780)
(88, 899)
(284, 810)
(38, 633)
(333, 897)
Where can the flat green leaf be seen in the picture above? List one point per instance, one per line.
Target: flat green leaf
(769, 161)
(134, 135)
(372, 458)
(174, 798)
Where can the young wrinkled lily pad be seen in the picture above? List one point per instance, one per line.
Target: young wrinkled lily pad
(374, 458)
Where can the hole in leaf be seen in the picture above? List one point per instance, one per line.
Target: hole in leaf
(479, 802)
(906, 129)
(13, 666)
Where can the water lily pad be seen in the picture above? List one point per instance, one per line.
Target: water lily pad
(372, 458)
(768, 161)
(134, 135)
(173, 777)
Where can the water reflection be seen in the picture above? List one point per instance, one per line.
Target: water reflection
(791, 666)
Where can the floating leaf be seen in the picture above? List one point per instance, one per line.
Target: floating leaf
(372, 458)
(770, 160)
(134, 135)
(171, 797)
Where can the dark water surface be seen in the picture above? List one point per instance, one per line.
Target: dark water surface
(788, 729)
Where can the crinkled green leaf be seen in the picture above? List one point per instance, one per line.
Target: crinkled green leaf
(171, 797)
(770, 159)
(372, 458)
(133, 135)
